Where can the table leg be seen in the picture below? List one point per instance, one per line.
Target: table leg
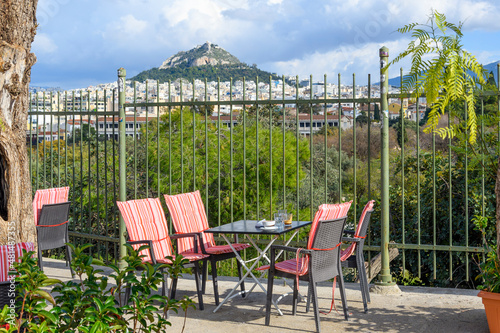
(249, 271)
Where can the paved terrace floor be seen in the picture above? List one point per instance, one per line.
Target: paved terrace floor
(416, 309)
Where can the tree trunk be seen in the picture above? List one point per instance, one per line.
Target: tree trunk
(17, 31)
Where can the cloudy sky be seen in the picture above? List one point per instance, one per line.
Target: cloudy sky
(83, 42)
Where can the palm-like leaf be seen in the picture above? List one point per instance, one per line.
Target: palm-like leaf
(450, 75)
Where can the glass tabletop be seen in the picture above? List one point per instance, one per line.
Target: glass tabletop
(248, 227)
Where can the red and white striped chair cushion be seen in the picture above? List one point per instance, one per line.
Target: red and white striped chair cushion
(145, 220)
(188, 215)
(325, 212)
(290, 266)
(346, 253)
(221, 249)
(48, 196)
(15, 252)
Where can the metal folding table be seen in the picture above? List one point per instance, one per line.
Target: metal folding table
(248, 229)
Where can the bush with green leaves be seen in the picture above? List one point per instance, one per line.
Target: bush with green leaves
(90, 303)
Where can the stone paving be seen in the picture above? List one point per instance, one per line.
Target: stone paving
(415, 309)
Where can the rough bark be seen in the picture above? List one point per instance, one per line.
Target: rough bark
(17, 31)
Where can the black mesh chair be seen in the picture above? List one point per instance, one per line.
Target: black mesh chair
(323, 265)
(352, 256)
(52, 230)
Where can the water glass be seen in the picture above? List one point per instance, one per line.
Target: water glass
(278, 219)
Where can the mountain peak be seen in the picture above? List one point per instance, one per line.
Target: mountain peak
(206, 54)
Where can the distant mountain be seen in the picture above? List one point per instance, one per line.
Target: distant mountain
(492, 67)
(208, 61)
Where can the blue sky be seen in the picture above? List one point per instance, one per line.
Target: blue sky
(83, 42)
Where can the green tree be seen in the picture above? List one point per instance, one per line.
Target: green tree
(450, 75)
(84, 133)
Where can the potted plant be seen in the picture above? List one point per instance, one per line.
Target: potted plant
(490, 275)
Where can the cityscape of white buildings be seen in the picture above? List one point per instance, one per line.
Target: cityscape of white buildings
(51, 111)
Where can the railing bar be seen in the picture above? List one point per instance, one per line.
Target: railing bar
(158, 156)
(231, 152)
(466, 193)
(311, 153)
(339, 111)
(81, 157)
(325, 111)
(369, 240)
(434, 228)
(297, 137)
(106, 210)
(97, 178)
(89, 170)
(30, 154)
(257, 145)
(182, 136)
(450, 200)
(194, 139)
(135, 141)
(419, 233)
(245, 154)
(113, 142)
(206, 148)
(219, 130)
(354, 155)
(401, 119)
(170, 147)
(283, 123)
(145, 143)
(271, 111)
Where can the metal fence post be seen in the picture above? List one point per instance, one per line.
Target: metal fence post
(122, 73)
(385, 278)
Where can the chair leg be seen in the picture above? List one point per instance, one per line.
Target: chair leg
(295, 295)
(342, 295)
(164, 289)
(127, 293)
(269, 298)
(314, 298)
(363, 281)
(204, 275)
(213, 264)
(308, 300)
(198, 284)
(174, 288)
(240, 275)
(69, 259)
(40, 263)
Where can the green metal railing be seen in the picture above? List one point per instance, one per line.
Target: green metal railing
(164, 140)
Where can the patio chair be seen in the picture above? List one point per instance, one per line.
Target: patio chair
(321, 261)
(146, 224)
(47, 236)
(353, 257)
(52, 230)
(188, 216)
(6, 253)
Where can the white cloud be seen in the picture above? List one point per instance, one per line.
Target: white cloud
(346, 60)
(43, 44)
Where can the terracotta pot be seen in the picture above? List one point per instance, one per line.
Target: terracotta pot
(491, 303)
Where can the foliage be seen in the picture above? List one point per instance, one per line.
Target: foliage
(90, 304)
(208, 72)
(401, 126)
(430, 217)
(450, 75)
(212, 161)
(84, 133)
